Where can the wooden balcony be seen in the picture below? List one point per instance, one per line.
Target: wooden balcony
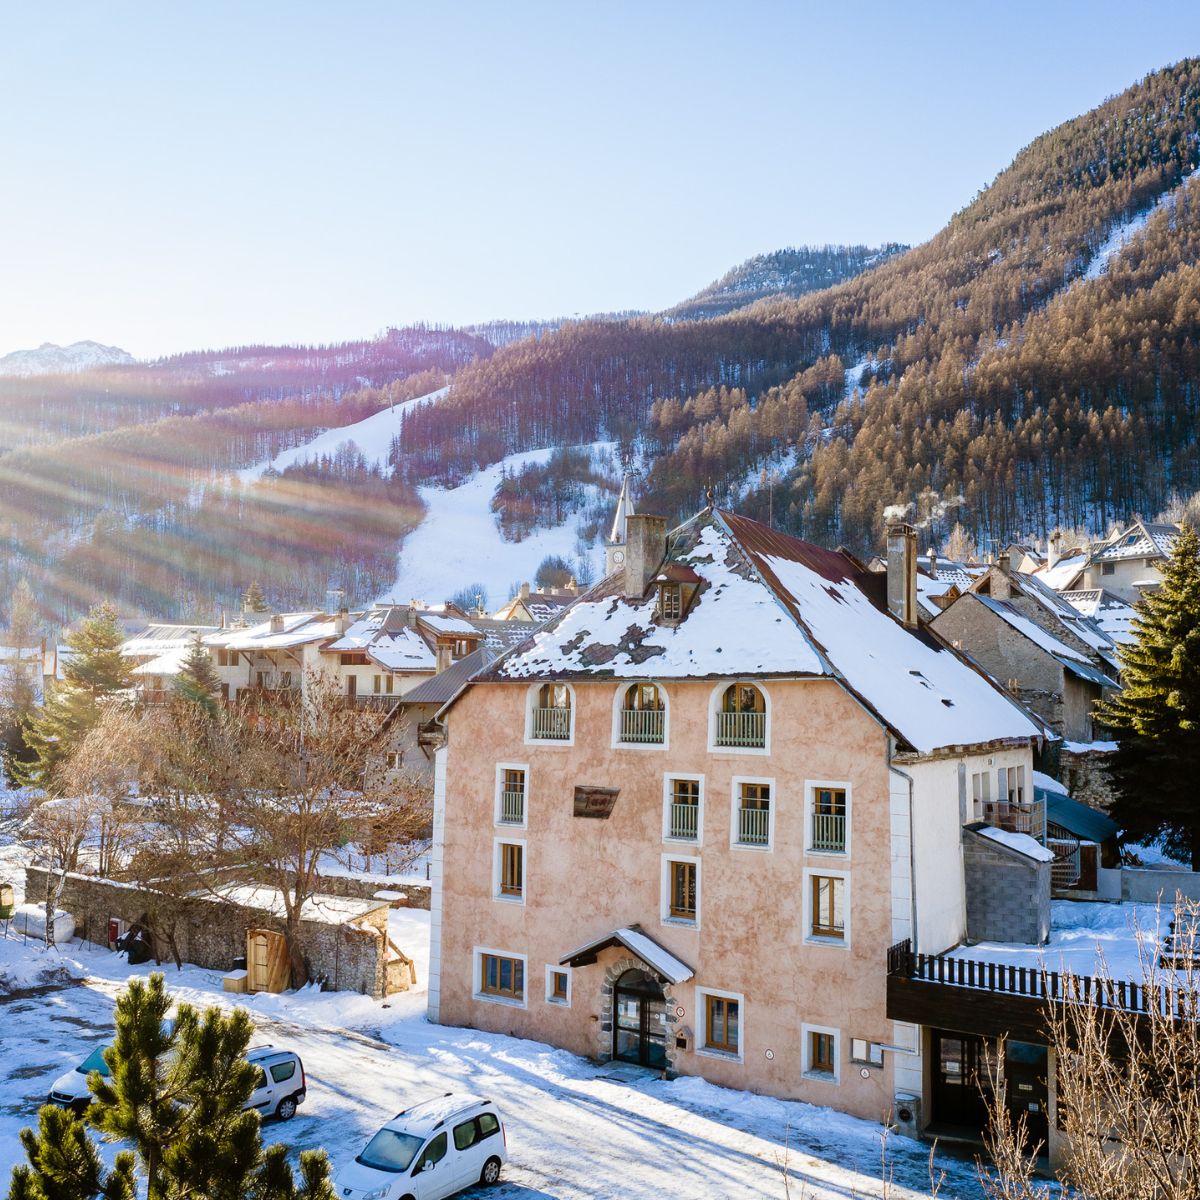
(642, 726)
(1025, 817)
(1002, 1000)
(742, 729)
(552, 724)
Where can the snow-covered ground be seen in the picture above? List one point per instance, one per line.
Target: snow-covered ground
(459, 542)
(574, 1130)
(1123, 232)
(373, 436)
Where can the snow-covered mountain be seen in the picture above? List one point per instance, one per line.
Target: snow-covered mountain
(49, 359)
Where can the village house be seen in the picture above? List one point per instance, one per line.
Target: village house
(1130, 560)
(682, 824)
(158, 652)
(539, 605)
(1058, 662)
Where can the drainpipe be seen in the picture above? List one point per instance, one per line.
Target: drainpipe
(912, 847)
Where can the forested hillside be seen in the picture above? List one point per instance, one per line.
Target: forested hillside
(793, 272)
(1001, 365)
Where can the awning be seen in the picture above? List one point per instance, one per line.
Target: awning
(640, 945)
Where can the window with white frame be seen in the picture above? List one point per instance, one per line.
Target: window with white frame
(683, 800)
(500, 976)
(740, 719)
(827, 907)
(641, 715)
(869, 1054)
(551, 714)
(511, 793)
(558, 986)
(721, 1030)
(508, 872)
(680, 890)
(821, 1052)
(828, 818)
(753, 821)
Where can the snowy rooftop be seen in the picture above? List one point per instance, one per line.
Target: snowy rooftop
(1143, 539)
(1022, 843)
(1065, 571)
(294, 629)
(1072, 660)
(328, 910)
(158, 639)
(170, 663)
(444, 624)
(772, 605)
(1112, 614)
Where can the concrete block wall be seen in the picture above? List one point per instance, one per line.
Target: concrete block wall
(1008, 895)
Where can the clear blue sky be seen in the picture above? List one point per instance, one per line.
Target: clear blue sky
(187, 175)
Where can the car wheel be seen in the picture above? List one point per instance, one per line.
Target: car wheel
(287, 1108)
(490, 1173)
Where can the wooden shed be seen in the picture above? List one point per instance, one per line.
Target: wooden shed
(268, 963)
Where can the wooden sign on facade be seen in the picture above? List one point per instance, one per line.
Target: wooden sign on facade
(595, 802)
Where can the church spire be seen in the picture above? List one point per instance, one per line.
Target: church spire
(615, 550)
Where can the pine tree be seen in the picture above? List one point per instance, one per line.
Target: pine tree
(176, 1093)
(64, 1163)
(93, 669)
(198, 680)
(1156, 715)
(24, 624)
(254, 600)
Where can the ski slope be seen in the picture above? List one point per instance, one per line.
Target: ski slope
(459, 542)
(373, 436)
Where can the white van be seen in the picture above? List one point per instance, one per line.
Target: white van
(279, 1088)
(428, 1152)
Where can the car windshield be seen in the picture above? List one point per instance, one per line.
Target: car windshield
(390, 1151)
(94, 1062)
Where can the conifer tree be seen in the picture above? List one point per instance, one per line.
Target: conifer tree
(1156, 715)
(24, 625)
(64, 1163)
(93, 669)
(254, 600)
(175, 1093)
(197, 680)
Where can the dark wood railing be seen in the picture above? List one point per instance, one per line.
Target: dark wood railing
(1041, 986)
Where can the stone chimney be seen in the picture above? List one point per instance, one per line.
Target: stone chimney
(1013, 559)
(902, 573)
(343, 621)
(443, 656)
(932, 562)
(645, 548)
(1053, 548)
(276, 623)
(524, 592)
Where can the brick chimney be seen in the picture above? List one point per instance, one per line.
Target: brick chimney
(645, 548)
(902, 573)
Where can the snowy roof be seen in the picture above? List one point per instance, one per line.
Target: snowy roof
(1070, 659)
(386, 637)
(1143, 539)
(771, 605)
(170, 663)
(295, 629)
(640, 945)
(1065, 571)
(1112, 614)
(443, 624)
(403, 650)
(1022, 843)
(158, 639)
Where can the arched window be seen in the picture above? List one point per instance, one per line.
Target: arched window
(643, 714)
(551, 717)
(742, 717)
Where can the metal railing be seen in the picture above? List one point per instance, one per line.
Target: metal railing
(512, 808)
(828, 831)
(552, 724)
(642, 724)
(741, 729)
(685, 820)
(1064, 871)
(379, 701)
(1026, 816)
(754, 826)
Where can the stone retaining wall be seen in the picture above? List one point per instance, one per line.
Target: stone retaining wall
(417, 894)
(211, 933)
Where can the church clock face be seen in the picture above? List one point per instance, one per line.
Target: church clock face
(618, 557)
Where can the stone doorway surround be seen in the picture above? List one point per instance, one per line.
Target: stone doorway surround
(613, 972)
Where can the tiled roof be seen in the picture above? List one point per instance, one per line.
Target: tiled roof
(1143, 539)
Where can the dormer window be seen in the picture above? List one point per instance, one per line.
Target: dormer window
(670, 601)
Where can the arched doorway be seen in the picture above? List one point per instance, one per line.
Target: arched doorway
(640, 1024)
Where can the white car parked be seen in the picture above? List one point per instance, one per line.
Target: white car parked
(280, 1086)
(429, 1151)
